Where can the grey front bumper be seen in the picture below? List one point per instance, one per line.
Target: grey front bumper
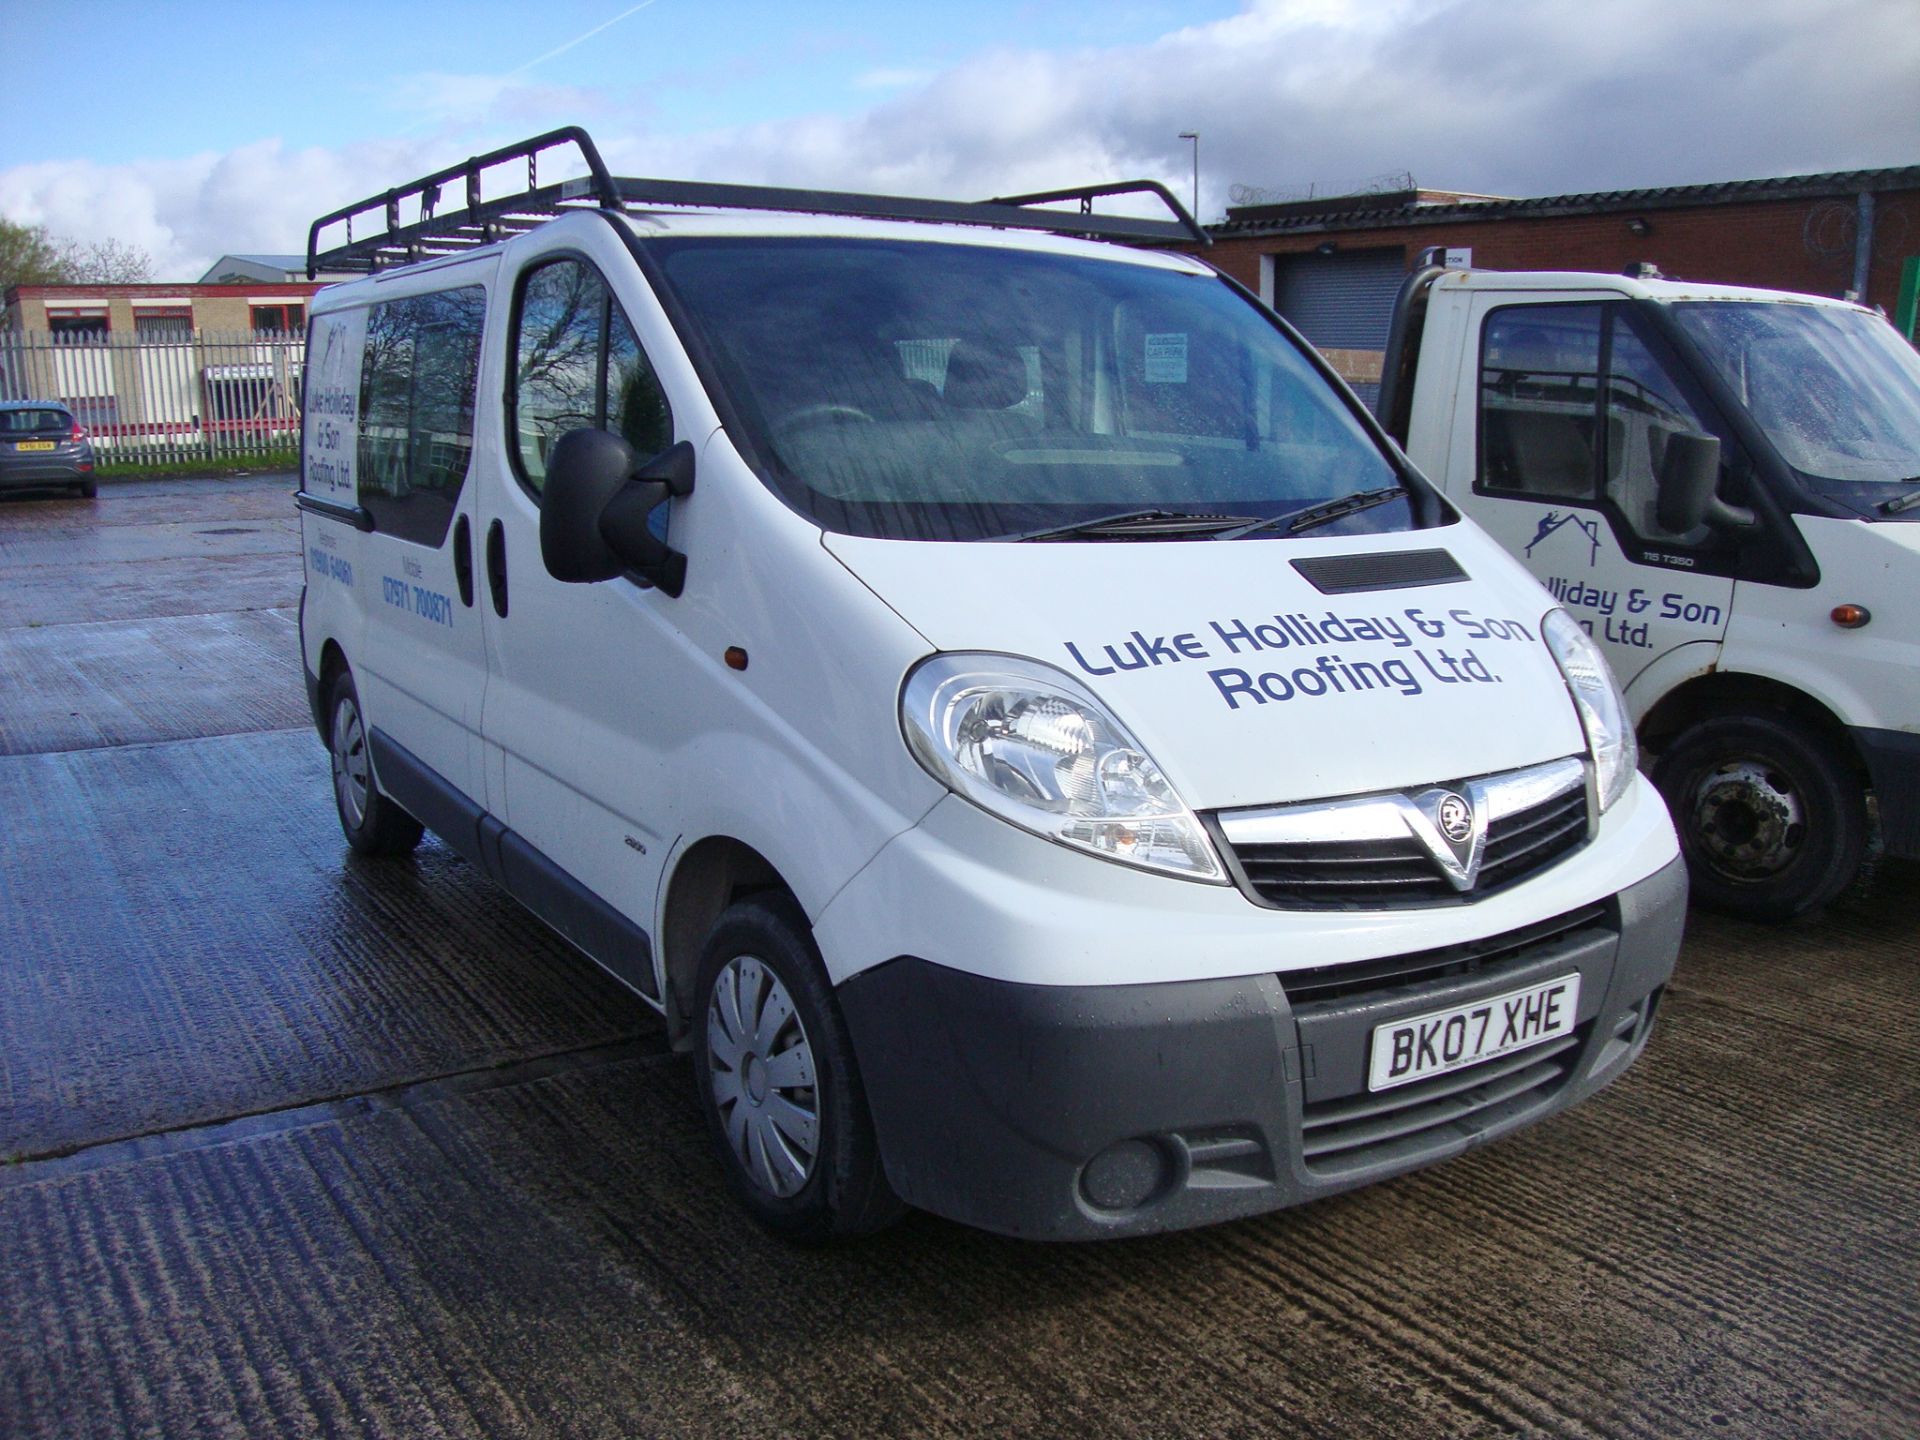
(1066, 1113)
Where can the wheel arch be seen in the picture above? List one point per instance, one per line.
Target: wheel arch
(706, 878)
(1732, 692)
(332, 661)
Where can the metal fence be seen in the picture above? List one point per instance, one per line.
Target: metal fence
(167, 396)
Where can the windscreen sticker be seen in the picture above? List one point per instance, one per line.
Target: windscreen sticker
(1167, 359)
(1293, 656)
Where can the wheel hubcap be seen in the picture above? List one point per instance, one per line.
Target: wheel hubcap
(1748, 819)
(760, 1065)
(351, 774)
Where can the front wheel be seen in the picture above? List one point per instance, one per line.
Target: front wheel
(777, 1079)
(1772, 822)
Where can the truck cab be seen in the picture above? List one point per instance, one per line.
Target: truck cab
(1722, 485)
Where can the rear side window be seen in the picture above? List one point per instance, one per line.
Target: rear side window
(34, 422)
(578, 363)
(417, 383)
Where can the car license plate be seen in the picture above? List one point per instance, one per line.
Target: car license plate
(1442, 1040)
(34, 445)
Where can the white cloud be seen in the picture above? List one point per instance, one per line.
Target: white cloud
(1484, 95)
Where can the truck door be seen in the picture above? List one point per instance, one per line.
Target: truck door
(1570, 419)
(422, 669)
(582, 676)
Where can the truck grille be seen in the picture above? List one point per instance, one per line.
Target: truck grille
(1373, 851)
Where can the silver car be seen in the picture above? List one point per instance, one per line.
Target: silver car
(42, 445)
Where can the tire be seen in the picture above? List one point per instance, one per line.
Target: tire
(1772, 822)
(372, 823)
(89, 489)
(778, 1083)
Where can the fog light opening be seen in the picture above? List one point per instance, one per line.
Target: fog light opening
(1128, 1175)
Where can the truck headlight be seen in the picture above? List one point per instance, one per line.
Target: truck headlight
(1597, 697)
(1027, 743)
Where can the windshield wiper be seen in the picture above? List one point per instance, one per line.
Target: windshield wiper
(1312, 516)
(1899, 504)
(1134, 525)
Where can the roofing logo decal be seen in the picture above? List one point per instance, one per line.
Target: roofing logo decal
(1553, 522)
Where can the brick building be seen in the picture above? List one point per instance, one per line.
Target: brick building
(1333, 265)
(157, 311)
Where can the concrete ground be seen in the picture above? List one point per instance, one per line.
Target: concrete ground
(293, 1143)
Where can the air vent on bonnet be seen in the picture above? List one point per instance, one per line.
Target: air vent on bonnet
(1347, 574)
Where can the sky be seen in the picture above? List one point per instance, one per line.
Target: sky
(202, 127)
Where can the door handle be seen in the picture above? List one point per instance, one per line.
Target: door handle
(497, 568)
(463, 559)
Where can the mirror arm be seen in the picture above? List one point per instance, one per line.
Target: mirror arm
(1722, 516)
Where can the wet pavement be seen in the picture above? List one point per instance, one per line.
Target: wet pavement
(300, 1144)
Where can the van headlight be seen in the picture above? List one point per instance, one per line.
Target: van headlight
(1597, 697)
(1027, 743)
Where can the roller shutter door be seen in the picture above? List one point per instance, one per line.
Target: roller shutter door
(1343, 303)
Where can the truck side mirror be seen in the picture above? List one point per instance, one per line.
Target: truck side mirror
(1689, 477)
(595, 507)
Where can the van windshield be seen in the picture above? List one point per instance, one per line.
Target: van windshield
(923, 390)
(1837, 391)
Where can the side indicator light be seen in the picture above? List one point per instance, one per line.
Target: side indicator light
(735, 657)
(1851, 617)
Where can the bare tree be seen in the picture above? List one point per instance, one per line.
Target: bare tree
(108, 262)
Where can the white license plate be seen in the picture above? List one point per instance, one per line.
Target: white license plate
(1442, 1040)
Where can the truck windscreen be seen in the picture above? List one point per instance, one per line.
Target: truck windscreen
(936, 391)
(1837, 391)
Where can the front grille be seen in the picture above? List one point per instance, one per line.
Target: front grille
(1361, 854)
(1369, 981)
(1360, 1131)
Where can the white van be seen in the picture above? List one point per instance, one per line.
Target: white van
(1723, 486)
(1010, 709)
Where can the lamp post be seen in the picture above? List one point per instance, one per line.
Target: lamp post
(1194, 136)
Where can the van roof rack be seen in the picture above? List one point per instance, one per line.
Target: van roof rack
(483, 221)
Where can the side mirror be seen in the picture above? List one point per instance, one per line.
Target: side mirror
(1689, 477)
(595, 507)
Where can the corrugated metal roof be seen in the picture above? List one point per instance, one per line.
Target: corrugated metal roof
(1343, 216)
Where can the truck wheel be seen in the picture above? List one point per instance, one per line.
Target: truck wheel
(777, 1079)
(1771, 823)
(372, 823)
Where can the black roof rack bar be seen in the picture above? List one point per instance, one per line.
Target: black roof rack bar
(1087, 194)
(481, 221)
(427, 190)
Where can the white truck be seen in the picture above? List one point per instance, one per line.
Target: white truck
(1723, 486)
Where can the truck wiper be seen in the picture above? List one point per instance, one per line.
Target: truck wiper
(1901, 503)
(1313, 516)
(1135, 524)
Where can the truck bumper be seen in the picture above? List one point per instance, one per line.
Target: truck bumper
(1086, 1112)
(1893, 762)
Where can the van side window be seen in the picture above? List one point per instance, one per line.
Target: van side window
(1539, 392)
(417, 382)
(578, 363)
